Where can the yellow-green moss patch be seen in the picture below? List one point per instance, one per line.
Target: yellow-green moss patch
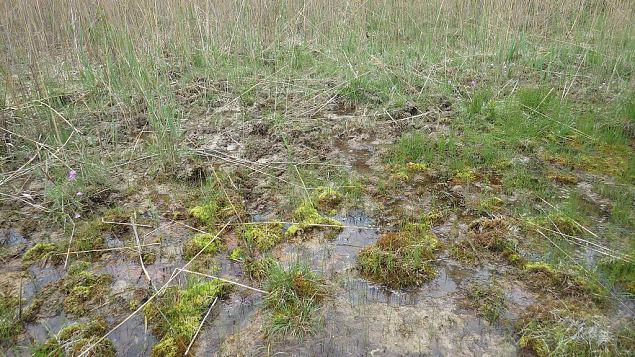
(264, 236)
(308, 219)
(176, 315)
(40, 251)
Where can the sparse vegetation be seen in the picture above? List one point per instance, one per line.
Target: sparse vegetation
(488, 301)
(74, 340)
(502, 130)
(555, 331)
(83, 288)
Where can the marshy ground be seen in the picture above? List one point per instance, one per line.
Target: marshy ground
(290, 182)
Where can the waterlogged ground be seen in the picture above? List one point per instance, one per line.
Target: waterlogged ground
(524, 242)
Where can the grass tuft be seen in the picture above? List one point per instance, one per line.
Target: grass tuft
(294, 301)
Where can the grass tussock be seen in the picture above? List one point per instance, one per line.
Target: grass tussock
(488, 301)
(400, 259)
(294, 301)
(487, 235)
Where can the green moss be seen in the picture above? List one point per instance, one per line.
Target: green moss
(237, 254)
(73, 339)
(308, 219)
(264, 236)
(40, 251)
(83, 289)
(400, 259)
(416, 167)
(465, 175)
(217, 210)
(90, 236)
(199, 243)
(177, 314)
(327, 199)
(294, 299)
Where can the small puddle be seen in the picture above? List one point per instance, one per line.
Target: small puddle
(337, 255)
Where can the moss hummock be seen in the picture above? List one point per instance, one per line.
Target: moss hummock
(177, 314)
(400, 259)
(264, 236)
(308, 218)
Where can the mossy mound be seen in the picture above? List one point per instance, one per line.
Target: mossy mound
(39, 252)
(549, 329)
(294, 299)
(201, 242)
(74, 339)
(83, 288)
(543, 277)
(237, 254)
(264, 236)
(327, 199)
(208, 245)
(217, 210)
(400, 259)
(177, 314)
(308, 219)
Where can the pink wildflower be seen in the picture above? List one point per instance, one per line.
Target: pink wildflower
(72, 175)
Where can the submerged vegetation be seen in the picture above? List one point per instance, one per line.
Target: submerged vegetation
(491, 143)
(74, 340)
(83, 288)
